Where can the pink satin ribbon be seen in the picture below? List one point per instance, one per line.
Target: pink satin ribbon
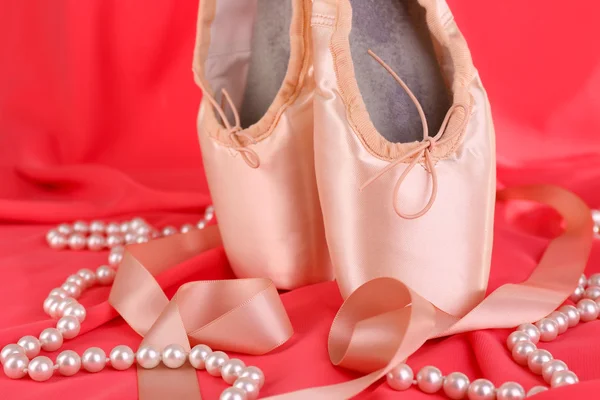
(241, 315)
(379, 325)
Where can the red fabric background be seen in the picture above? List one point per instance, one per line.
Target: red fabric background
(97, 120)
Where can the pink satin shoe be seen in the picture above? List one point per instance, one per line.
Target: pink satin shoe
(406, 181)
(255, 57)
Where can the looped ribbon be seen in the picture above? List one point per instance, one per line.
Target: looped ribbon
(240, 315)
(423, 150)
(383, 322)
(235, 131)
(379, 325)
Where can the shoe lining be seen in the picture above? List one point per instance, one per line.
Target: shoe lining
(397, 32)
(268, 60)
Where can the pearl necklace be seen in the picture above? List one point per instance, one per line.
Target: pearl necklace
(522, 345)
(247, 381)
(98, 236)
(61, 304)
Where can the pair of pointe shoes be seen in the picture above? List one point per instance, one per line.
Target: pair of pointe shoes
(322, 163)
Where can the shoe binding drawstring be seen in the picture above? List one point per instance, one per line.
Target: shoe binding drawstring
(235, 131)
(423, 150)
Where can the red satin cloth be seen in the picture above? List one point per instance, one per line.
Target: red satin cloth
(97, 120)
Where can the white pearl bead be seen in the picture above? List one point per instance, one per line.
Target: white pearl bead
(233, 393)
(209, 213)
(51, 233)
(69, 363)
(255, 374)
(510, 391)
(187, 228)
(400, 377)
(249, 386)
(76, 280)
(129, 238)
(68, 326)
(583, 280)
(516, 337)
(143, 230)
(88, 276)
(592, 292)
(121, 357)
(125, 227)
(577, 294)
(53, 309)
(115, 259)
(14, 365)
(456, 385)
(169, 230)
(535, 390)
(114, 240)
(562, 321)
(50, 301)
(80, 227)
(63, 304)
(113, 228)
(58, 292)
(537, 359)
(563, 378)
(551, 367)
(73, 290)
(201, 224)
(51, 339)
(96, 242)
(58, 242)
(142, 239)
(40, 368)
(596, 216)
(481, 389)
(76, 241)
(198, 355)
(93, 359)
(531, 330)
(97, 227)
(430, 379)
(594, 280)
(521, 352)
(588, 310)
(232, 370)
(9, 350)
(75, 310)
(571, 313)
(105, 275)
(214, 362)
(147, 357)
(31, 345)
(173, 356)
(65, 229)
(137, 222)
(548, 329)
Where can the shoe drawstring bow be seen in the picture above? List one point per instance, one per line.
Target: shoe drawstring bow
(423, 150)
(235, 131)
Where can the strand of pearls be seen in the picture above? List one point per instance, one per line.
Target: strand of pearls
(247, 381)
(522, 345)
(22, 358)
(98, 235)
